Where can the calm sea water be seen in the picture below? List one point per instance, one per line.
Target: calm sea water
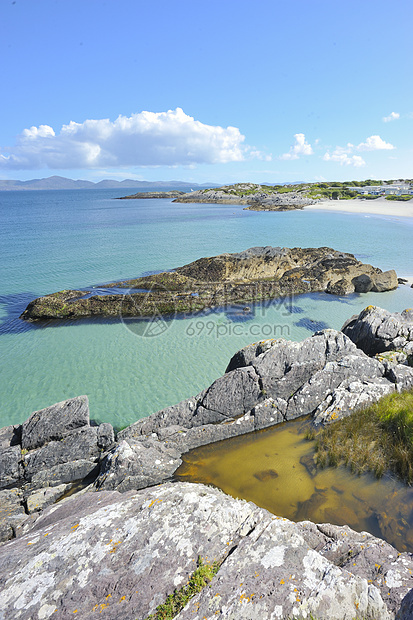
(51, 240)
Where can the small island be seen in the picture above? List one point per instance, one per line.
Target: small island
(247, 277)
(171, 194)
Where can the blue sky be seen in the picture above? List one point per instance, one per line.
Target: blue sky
(207, 91)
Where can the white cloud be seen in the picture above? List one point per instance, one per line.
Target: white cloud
(301, 147)
(343, 158)
(393, 116)
(43, 131)
(344, 154)
(144, 139)
(375, 143)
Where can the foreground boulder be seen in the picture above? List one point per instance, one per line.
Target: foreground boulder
(250, 276)
(108, 555)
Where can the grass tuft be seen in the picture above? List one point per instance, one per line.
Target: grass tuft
(377, 438)
(176, 601)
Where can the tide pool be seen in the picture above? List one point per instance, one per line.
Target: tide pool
(54, 240)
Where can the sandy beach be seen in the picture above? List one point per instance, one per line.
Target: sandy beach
(379, 206)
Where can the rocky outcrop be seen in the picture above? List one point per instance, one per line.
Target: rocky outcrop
(108, 555)
(377, 331)
(41, 459)
(325, 376)
(170, 195)
(257, 197)
(244, 277)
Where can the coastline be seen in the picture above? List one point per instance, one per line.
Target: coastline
(378, 206)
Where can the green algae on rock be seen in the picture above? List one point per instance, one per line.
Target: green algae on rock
(250, 276)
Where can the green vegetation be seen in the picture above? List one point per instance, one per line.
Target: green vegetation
(377, 438)
(369, 196)
(402, 197)
(177, 601)
(332, 190)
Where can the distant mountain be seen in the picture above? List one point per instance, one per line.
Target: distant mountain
(56, 182)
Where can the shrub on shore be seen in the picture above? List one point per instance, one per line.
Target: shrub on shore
(403, 197)
(377, 438)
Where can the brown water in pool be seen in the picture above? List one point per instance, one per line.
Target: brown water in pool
(274, 469)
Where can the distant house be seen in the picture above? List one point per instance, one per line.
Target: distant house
(395, 189)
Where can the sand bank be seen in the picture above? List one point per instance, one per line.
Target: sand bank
(379, 206)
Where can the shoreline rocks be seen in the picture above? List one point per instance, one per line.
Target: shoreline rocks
(102, 553)
(245, 277)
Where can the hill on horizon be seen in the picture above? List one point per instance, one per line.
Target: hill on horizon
(57, 182)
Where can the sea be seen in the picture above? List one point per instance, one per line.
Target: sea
(84, 239)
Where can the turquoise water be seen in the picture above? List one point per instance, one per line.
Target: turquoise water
(74, 239)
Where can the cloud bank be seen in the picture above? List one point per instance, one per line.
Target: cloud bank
(301, 147)
(144, 139)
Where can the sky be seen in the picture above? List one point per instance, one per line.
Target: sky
(216, 91)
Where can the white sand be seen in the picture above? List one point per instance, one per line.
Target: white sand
(378, 206)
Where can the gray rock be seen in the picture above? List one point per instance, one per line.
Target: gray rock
(401, 375)
(363, 283)
(105, 436)
(54, 422)
(231, 395)
(376, 330)
(10, 467)
(10, 436)
(119, 556)
(349, 396)
(12, 513)
(137, 465)
(64, 473)
(406, 608)
(41, 498)
(246, 356)
(75, 446)
(176, 415)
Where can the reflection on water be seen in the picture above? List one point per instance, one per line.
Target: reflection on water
(275, 469)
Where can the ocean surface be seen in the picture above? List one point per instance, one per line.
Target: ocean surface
(54, 240)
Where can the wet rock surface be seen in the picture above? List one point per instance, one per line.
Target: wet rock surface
(249, 276)
(111, 555)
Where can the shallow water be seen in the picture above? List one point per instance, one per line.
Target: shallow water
(274, 469)
(54, 240)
